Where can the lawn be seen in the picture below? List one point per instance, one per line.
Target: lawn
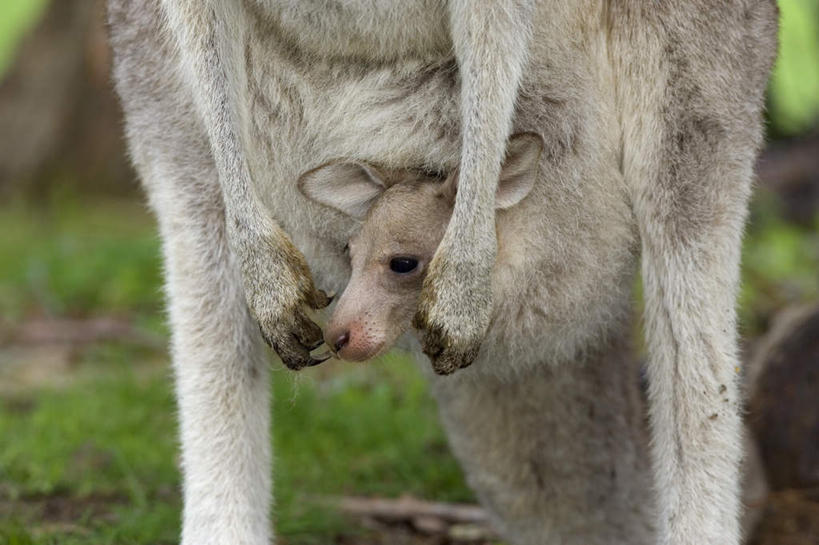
(88, 430)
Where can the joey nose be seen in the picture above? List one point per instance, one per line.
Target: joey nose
(341, 341)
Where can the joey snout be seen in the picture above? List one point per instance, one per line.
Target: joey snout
(365, 323)
(354, 341)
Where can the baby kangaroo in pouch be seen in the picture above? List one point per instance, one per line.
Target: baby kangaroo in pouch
(404, 216)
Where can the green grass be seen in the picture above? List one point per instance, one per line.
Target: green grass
(75, 258)
(105, 440)
(111, 435)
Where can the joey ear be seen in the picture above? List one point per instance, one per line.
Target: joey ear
(349, 187)
(519, 169)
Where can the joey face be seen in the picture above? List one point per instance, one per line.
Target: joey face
(403, 221)
(389, 258)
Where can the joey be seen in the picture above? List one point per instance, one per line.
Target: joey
(401, 227)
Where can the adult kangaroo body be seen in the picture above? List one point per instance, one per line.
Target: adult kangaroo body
(650, 115)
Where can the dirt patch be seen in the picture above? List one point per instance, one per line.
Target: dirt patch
(60, 513)
(791, 518)
(24, 368)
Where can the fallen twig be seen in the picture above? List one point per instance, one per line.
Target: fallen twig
(459, 522)
(407, 507)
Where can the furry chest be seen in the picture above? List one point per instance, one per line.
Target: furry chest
(373, 30)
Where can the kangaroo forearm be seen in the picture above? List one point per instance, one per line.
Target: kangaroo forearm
(491, 45)
(277, 283)
(273, 270)
(195, 29)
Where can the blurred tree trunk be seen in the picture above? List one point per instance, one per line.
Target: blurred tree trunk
(791, 170)
(784, 402)
(59, 118)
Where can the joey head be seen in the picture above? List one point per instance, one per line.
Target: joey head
(404, 216)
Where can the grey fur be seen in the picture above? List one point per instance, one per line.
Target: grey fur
(650, 114)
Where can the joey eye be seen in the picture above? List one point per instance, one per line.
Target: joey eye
(403, 265)
(347, 248)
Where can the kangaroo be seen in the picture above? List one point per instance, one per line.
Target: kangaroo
(650, 116)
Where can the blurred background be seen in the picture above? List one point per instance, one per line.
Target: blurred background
(87, 418)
